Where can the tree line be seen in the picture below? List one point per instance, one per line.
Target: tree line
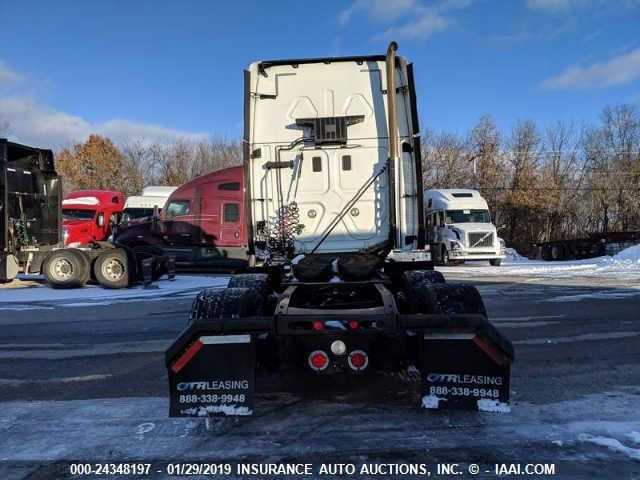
(548, 183)
(100, 164)
(541, 183)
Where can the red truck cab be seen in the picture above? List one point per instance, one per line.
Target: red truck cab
(203, 224)
(89, 216)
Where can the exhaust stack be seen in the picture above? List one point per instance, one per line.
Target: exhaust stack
(393, 137)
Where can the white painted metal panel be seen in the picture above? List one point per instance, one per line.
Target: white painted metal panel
(283, 93)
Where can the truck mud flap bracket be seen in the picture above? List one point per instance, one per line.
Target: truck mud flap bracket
(213, 376)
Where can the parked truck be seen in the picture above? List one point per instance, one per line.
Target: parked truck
(90, 216)
(142, 207)
(203, 224)
(31, 226)
(343, 281)
(459, 227)
(30, 196)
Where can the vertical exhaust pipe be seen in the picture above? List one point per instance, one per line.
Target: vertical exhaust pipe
(392, 107)
(393, 137)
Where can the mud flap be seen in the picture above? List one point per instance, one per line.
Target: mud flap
(465, 370)
(213, 375)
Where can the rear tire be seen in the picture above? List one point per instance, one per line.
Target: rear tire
(413, 282)
(416, 278)
(66, 268)
(220, 304)
(112, 269)
(495, 262)
(448, 299)
(259, 284)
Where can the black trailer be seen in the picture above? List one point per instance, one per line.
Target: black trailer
(30, 198)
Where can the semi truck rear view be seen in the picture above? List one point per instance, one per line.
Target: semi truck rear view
(344, 281)
(30, 195)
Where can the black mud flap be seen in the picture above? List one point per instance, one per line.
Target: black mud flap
(466, 369)
(213, 376)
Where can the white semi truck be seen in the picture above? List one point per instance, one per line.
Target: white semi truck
(342, 281)
(138, 207)
(459, 227)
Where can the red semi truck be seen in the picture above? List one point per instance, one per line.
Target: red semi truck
(203, 224)
(90, 215)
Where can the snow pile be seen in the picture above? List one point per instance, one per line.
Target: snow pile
(431, 401)
(624, 266)
(629, 255)
(95, 294)
(230, 410)
(512, 256)
(493, 406)
(612, 444)
(80, 201)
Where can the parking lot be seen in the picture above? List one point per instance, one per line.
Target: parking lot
(85, 379)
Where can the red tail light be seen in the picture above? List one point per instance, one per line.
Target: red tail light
(318, 360)
(358, 360)
(318, 325)
(353, 324)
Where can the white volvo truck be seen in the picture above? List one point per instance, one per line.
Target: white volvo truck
(459, 227)
(342, 281)
(140, 207)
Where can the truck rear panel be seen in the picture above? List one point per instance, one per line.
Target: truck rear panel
(30, 194)
(317, 131)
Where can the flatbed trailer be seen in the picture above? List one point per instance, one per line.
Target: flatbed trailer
(343, 281)
(591, 246)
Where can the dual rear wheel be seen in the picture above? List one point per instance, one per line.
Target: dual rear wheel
(72, 268)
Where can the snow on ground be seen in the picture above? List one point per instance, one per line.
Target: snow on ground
(623, 266)
(11, 298)
(140, 428)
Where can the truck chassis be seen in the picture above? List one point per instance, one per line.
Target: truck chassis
(414, 320)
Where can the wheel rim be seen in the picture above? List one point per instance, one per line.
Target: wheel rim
(61, 269)
(113, 269)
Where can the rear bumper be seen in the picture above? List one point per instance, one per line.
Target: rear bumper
(371, 325)
(463, 361)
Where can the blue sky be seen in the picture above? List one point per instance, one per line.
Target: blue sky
(163, 70)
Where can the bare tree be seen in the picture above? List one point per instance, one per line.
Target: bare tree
(561, 176)
(444, 161)
(483, 146)
(521, 199)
